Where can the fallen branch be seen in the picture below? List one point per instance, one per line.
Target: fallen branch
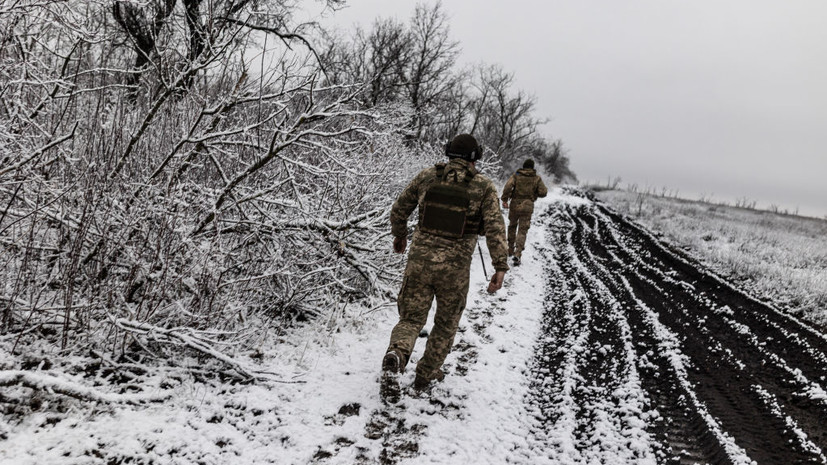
(172, 336)
(8, 337)
(54, 385)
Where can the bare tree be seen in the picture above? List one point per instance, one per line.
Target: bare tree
(375, 59)
(142, 23)
(430, 73)
(411, 65)
(553, 157)
(504, 118)
(256, 198)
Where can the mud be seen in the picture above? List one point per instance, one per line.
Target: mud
(726, 378)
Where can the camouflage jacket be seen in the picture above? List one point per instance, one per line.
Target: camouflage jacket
(436, 249)
(522, 189)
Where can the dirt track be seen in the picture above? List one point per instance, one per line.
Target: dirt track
(644, 356)
(730, 378)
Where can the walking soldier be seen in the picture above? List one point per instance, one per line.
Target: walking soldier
(456, 204)
(522, 189)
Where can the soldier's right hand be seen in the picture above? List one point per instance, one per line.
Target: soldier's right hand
(399, 244)
(496, 282)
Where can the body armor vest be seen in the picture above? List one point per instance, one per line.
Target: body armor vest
(524, 187)
(445, 206)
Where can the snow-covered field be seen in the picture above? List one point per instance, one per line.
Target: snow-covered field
(782, 258)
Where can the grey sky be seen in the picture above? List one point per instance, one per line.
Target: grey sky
(726, 98)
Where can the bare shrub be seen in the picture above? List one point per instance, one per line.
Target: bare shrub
(744, 202)
(191, 187)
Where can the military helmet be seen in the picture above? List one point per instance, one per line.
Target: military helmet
(528, 163)
(464, 146)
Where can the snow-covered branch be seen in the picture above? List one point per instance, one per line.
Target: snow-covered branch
(37, 153)
(190, 340)
(53, 384)
(193, 194)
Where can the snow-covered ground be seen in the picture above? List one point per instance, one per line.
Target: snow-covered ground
(323, 411)
(600, 348)
(780, 257)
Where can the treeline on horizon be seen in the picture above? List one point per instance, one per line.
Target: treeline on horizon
(414, 65)
(205, 173)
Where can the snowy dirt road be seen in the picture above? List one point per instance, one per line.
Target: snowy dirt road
(606, 346)
(645, 353)
(641, 355)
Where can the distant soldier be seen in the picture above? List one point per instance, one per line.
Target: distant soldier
(522, 189)
(456, 204)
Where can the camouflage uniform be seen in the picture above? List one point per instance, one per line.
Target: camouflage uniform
(439, 267)
(522, 189)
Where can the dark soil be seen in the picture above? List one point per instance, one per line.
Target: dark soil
(745, 373)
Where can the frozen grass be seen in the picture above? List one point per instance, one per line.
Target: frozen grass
(779, 257)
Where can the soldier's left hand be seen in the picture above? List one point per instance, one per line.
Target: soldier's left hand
(496, 282)
(399, 244)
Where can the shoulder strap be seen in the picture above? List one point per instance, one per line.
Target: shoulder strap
(440, 170)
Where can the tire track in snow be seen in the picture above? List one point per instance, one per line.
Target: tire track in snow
(740, 358)
(684, 433)
(784, 334)
(586, 388)
(715, 375)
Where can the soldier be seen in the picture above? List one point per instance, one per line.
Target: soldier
(522, 189)
(456, 204)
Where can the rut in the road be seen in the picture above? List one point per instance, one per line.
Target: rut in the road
(725, 378)
(757, 365)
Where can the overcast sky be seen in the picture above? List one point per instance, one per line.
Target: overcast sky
(721, 98)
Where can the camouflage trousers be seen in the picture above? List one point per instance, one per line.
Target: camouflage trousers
(518, 223)
(423, 282)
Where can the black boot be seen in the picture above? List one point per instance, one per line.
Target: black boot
(392, 362)
(422, 383)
